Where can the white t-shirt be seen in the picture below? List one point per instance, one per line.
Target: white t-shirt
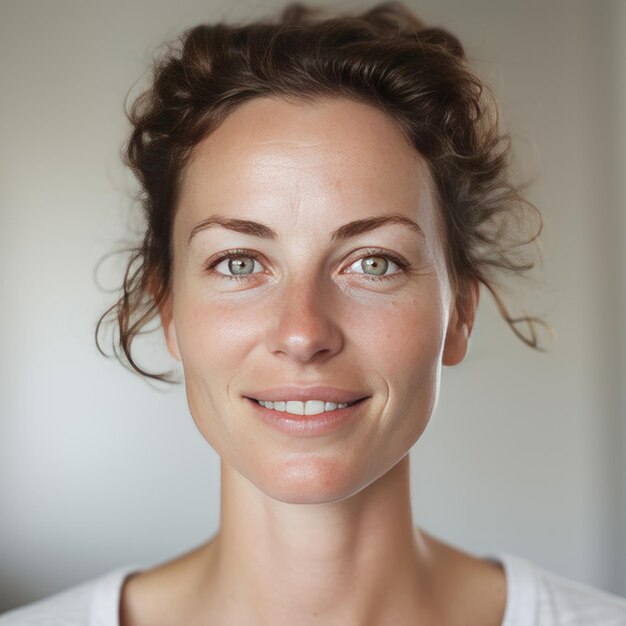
(535, 597)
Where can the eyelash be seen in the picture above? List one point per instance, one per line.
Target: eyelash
(230, 254)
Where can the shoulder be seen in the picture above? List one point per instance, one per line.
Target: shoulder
(540, 598)
(163, 593)
(92, 603)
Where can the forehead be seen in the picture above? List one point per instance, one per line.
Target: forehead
(325, 156)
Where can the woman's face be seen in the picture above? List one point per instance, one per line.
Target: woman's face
(311, 295)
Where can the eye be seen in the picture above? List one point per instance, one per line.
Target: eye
(377, 266)
(235, 264)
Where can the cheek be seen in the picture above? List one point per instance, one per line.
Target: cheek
(214, 341)
(404, 339)
(405, 349)
(213, 337)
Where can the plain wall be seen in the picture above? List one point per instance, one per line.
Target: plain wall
(526, 451)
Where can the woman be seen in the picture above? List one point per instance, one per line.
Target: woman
(323, 200)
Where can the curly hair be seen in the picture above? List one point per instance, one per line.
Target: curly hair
(385, 57)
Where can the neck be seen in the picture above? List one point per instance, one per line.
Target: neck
(356, 561)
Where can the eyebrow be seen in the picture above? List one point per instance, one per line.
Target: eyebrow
(351, 229)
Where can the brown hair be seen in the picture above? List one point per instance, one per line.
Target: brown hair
(385, 57)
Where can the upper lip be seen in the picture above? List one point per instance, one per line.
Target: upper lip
(319, 392)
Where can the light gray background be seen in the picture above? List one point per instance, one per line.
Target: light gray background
(525, 453)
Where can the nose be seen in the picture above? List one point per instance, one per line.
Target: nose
(304, 328)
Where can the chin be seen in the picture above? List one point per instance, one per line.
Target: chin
(310, 480)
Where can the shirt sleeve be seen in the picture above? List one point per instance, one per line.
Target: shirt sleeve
(536, 597)
(93, 603)
(562, 601)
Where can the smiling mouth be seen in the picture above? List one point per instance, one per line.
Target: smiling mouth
(310, 407)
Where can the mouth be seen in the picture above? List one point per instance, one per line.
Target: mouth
(305, 408)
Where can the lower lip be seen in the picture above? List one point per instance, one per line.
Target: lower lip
(307, 425)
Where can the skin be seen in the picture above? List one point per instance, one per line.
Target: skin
(314, 530)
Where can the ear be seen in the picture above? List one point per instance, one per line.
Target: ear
(461, 322)
(169, 328)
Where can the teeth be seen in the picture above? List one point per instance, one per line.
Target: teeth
(314, 407)
(297, 407)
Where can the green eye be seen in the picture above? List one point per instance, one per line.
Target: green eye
(377, 264)
(235, 264)
(241, 265)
